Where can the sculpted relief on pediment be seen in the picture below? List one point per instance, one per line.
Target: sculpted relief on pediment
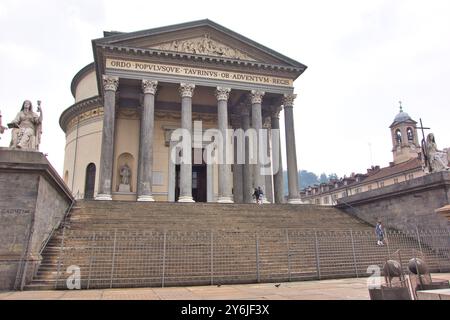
(203, 45)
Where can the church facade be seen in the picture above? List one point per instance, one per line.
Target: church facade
(144, 86)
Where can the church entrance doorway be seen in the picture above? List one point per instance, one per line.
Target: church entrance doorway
(198, 183)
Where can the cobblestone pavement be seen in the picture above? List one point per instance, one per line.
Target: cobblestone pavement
(341, 289)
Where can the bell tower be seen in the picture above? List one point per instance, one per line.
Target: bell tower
(405, 141)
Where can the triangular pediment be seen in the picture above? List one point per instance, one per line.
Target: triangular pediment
(203, 38)
(204, 45)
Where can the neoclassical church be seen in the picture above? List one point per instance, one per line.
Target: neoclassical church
(144, 85)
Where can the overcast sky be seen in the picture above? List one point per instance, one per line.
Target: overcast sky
(362, 57)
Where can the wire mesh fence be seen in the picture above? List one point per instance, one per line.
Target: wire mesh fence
(115, 259)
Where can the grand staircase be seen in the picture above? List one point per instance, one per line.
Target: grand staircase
(130, 244)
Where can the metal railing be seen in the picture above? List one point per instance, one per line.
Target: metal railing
(57, 225)
(114, 259)
(23, 264)
(353, 211)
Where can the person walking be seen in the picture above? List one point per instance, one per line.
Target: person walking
(256, 195)
(379, 231)
(260, 195)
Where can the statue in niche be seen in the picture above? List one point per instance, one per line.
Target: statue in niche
(436, 160)
(125, 178)
(26, 127)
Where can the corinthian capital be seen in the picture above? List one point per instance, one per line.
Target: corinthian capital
(110, 83)
(288, 100)
(275, 111)
(222, 93)
(256, 96)
(187, 90)
(149, 86)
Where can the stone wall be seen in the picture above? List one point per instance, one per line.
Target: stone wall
(33, 199)
(404, 206)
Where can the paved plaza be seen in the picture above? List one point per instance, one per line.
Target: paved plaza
(341, 289)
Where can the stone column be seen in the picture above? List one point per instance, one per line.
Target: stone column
(256, 99)
(268, 177)
(278, 182)
(247, 176)
(110, 85)
(225, 178)
(288, 102)
(186, 92)
(145, 173)
(238, 168)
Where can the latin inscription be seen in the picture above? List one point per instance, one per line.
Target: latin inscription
(196, 72)
(14, 211)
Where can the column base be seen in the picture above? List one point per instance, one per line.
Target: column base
(145, 199)
(225, 200)
(103, 197)
(295, 201)
(186, 199)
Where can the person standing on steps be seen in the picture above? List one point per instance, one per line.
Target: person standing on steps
(260, 195)
(379, 231)
(256, 195)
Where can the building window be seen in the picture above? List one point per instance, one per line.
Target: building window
(410, 176)
(326, 200)
(410, 134)
(382, 184)
(358, 190)
(344, 194)
(398, 136)
(369, 187)
(396, 180)
(317, 201)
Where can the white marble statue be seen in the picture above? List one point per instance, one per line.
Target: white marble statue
(437, 159)
(125, 178)
(26, 128)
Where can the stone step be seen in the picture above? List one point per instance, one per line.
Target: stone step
(104, 219)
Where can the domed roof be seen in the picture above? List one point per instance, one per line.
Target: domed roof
(402, 116)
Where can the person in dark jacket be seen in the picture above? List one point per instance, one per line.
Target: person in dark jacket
(379, 231)
(260, 195)
(256, 195)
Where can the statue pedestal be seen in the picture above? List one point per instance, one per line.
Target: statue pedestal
(124, 188)
(444, 211)
(33, 200)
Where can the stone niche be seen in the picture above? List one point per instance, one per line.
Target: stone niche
(33, 200)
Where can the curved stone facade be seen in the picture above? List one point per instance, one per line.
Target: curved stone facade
(138, 91)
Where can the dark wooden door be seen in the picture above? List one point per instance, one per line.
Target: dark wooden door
(89, 185)
(199, 183)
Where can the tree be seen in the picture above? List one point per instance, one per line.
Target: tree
(323, 178)
(332, 176)
(307, 179)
